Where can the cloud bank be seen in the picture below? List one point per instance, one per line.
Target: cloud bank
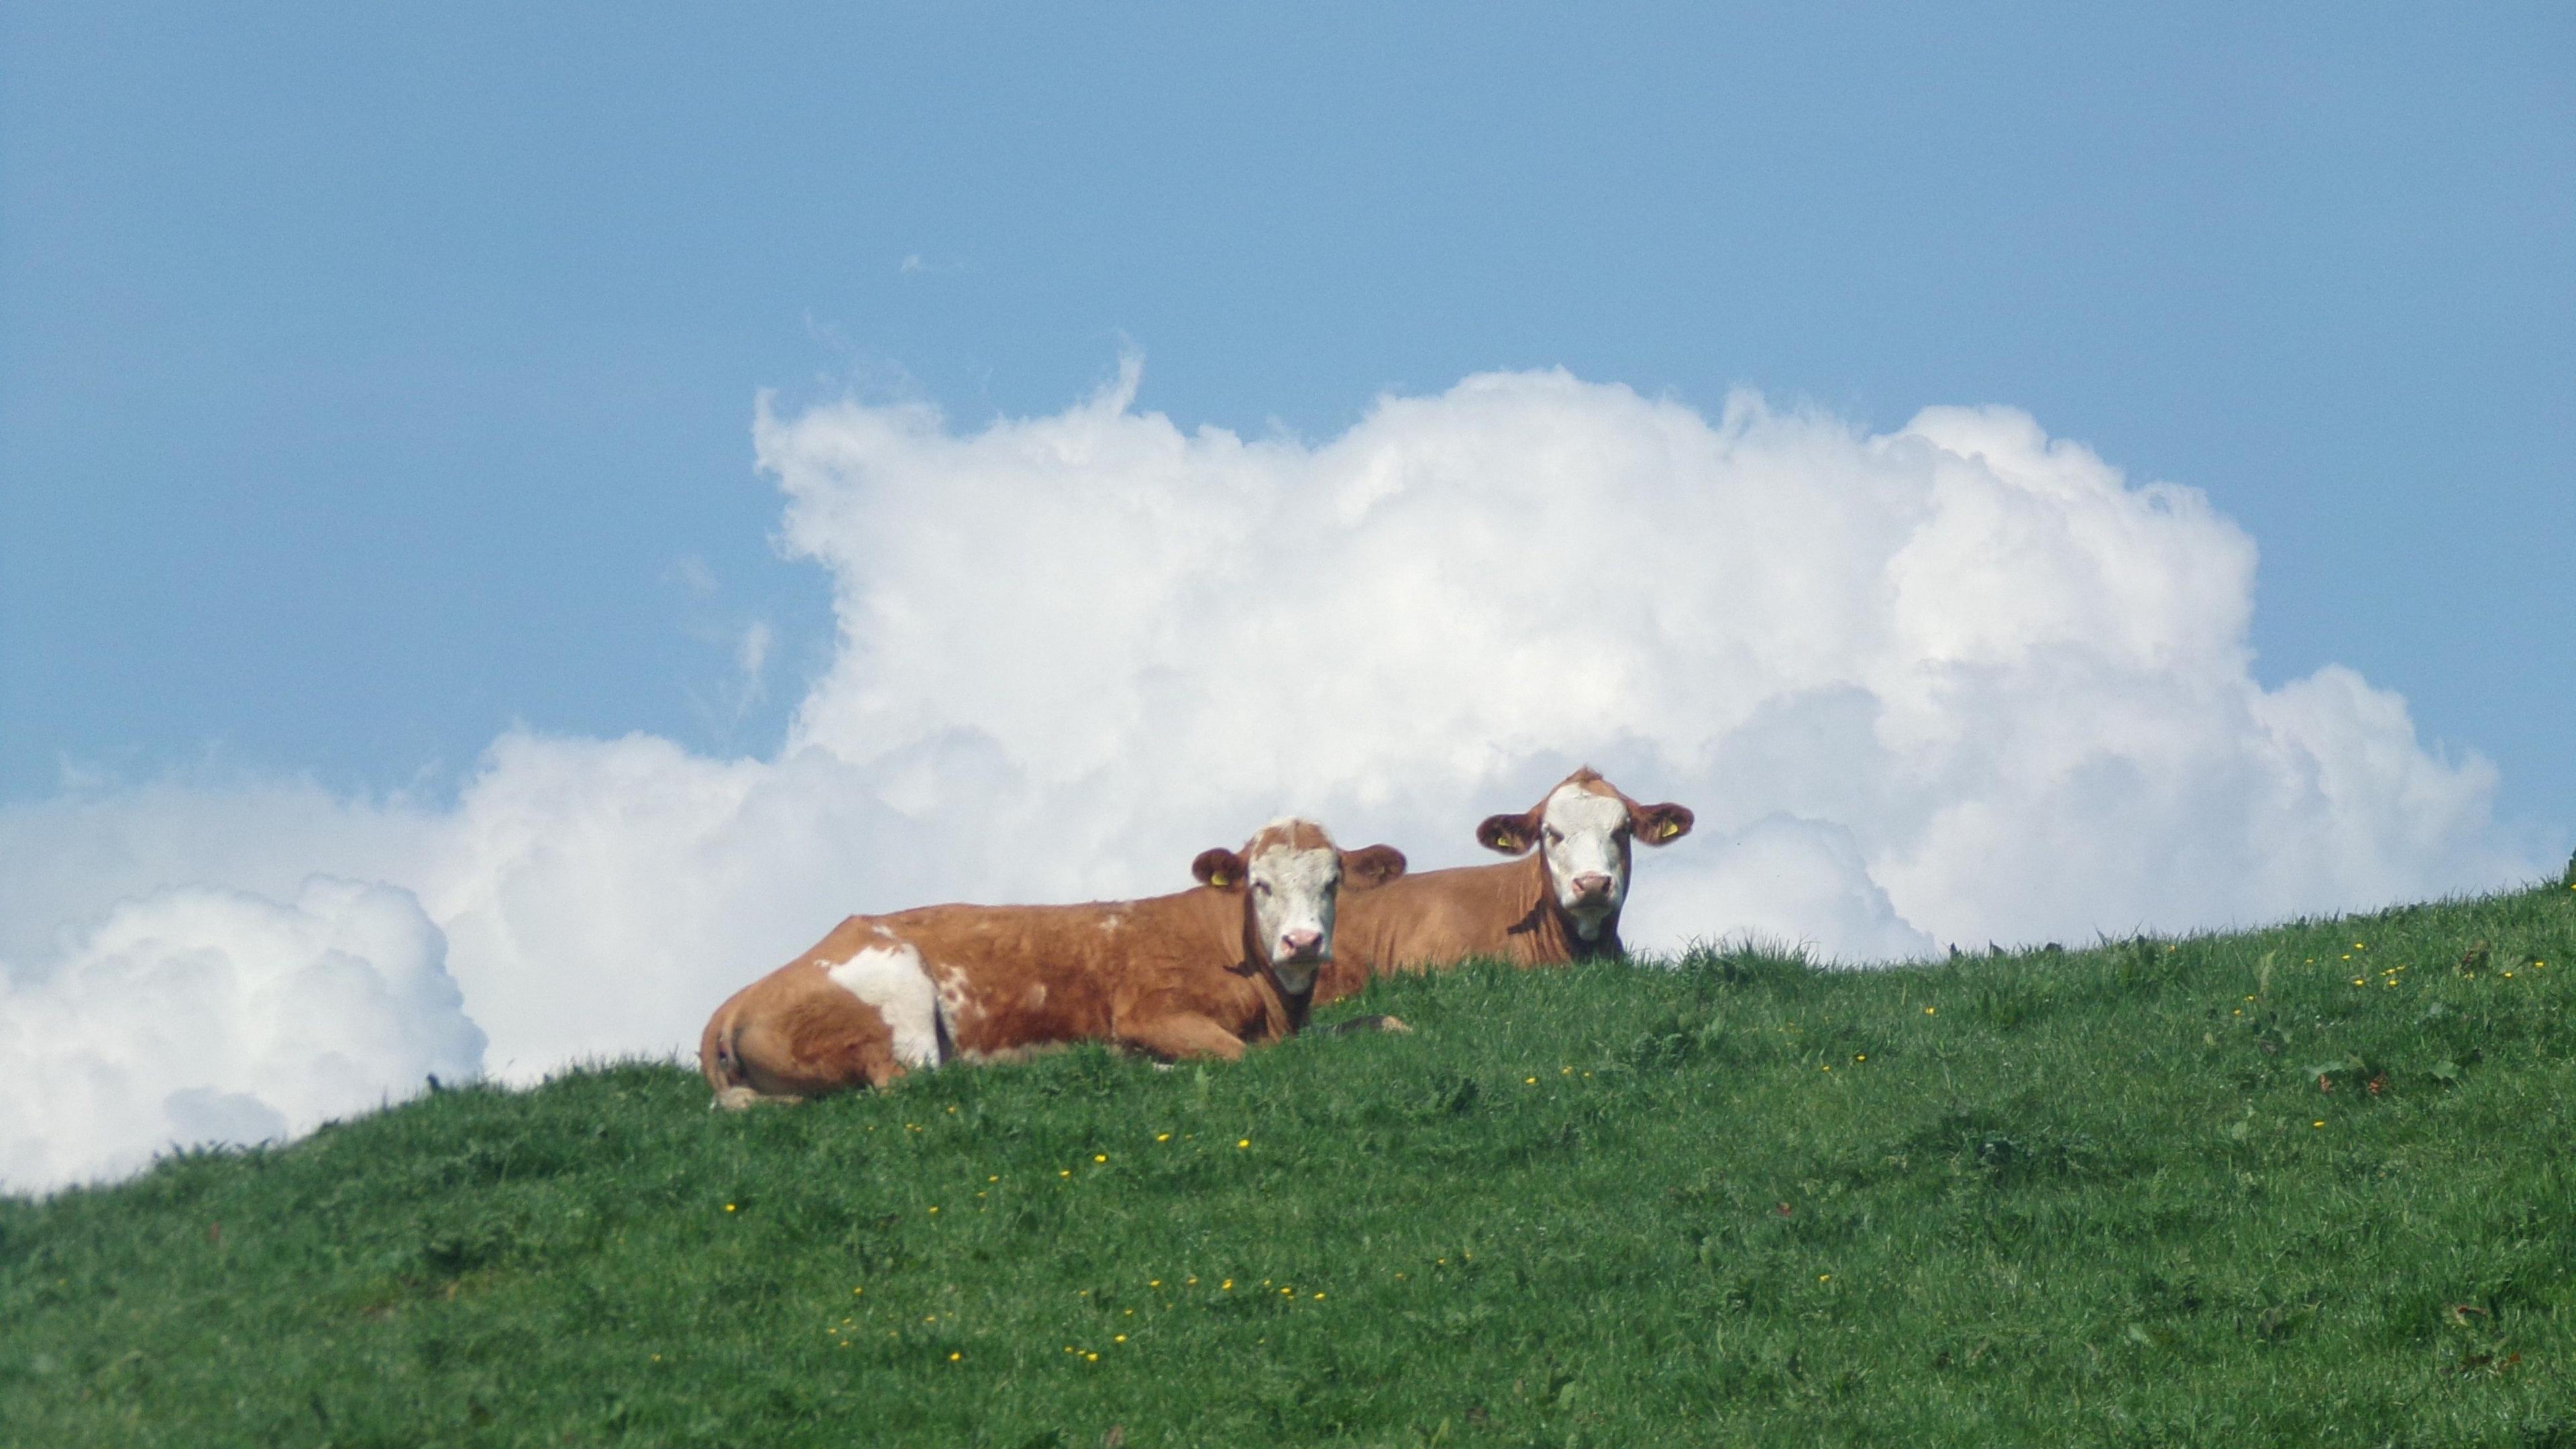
(204, 1015)
(1956, 682)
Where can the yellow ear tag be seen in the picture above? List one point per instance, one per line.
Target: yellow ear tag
(1221, 879)
(1667, 831)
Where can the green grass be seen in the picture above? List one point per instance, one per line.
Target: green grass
(2045, 1198)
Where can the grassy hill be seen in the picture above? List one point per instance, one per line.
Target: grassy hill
(2297, 1186)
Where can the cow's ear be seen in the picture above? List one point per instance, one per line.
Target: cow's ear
(1366, 870)
(1659, 824)
(1219, 867)
(1510, 834)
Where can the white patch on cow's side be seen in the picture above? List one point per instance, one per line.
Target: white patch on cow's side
(891, 979)
(1294, 891)
(957, 1009)
(1583, 835)
(1113, 920)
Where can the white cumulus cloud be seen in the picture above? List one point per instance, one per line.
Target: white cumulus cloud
(208, 1015)
(1956, 682)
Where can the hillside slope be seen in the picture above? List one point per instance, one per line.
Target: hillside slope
(2295, 1186)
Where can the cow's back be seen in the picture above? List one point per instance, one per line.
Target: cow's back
(1013, 977)
(1439, 917)
(1007, 978)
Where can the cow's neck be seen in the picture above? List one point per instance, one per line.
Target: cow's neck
(1214, 929)
(1294, 1006)
(1548, 927)
(1255, 963)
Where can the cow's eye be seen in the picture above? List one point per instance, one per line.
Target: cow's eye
(1261, 888)
(1555, 836)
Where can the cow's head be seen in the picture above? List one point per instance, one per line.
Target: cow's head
(1290, 875)
(1583, 829)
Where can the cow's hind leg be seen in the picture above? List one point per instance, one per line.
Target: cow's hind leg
(813, 1048)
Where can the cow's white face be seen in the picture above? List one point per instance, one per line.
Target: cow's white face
(1585, 837)
(1293, 894)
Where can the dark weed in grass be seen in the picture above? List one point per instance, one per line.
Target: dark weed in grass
(2295, 1186)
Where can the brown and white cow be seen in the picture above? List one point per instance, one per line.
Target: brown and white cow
(1557, 904)
(1201, 973)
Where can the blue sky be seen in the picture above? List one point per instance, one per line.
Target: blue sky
(369, 382)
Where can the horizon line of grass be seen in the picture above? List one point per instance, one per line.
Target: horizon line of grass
(2297, 1185)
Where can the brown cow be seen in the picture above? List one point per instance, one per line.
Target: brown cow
(1559, 904)
(1200, 973)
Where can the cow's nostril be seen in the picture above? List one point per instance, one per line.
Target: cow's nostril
(1298, 943)
(1592, 885)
